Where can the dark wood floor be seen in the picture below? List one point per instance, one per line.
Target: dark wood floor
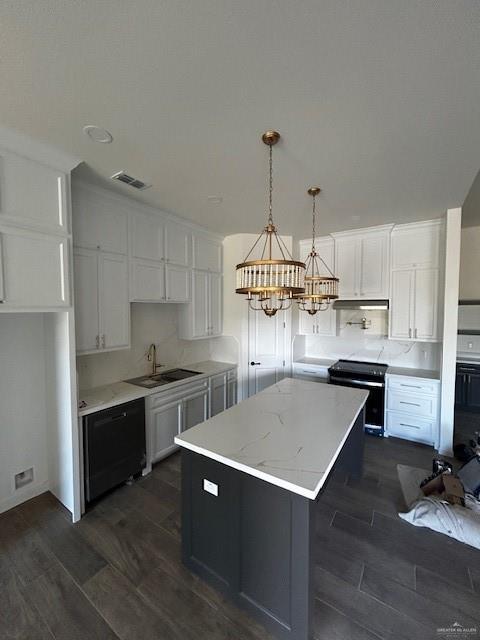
(117, 573)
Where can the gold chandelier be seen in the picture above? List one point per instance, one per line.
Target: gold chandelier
(320, 289)
(270, 283)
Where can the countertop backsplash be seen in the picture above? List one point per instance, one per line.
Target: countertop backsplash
(421, 355)
(157, 323)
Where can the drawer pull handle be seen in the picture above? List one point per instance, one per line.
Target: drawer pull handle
(413, 404)
(412, 426)
(410, 386)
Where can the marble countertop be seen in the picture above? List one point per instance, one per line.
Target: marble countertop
(414, 373)
(468, 359)
(289, 434)
(110, 395)
(315, 362)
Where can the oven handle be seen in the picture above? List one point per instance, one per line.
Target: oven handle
(364, 383)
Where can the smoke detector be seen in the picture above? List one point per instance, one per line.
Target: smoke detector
(136, 183)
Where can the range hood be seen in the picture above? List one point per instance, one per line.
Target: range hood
(360, 304)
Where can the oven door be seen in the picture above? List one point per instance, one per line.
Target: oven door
(374, 408)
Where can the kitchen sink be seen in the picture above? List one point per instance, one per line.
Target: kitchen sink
(174, 375)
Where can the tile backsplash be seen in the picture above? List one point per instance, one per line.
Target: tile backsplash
(157, 323)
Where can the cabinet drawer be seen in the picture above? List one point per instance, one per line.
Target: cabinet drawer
(412, 385)
(232, 374)
(306, 371)
(172, 394)
(425, 406)
(404, 425)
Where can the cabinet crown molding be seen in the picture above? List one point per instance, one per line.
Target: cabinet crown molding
(363, 230)
(436, 222)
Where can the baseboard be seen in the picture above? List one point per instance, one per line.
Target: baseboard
(27, 494)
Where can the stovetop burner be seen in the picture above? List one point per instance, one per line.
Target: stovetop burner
(359, 367)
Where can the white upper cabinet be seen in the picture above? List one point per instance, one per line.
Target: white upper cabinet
(417, 244)
(323, 322)
(347, 265)
(33, 270)
(416, 274)
(147, 236)
(32, 194)
(177, 283)
(202, 318)
(207, 253)
(99, 220)
(177, 244)
(102, 310)
(362, 263)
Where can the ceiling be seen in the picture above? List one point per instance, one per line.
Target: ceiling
(378, 102)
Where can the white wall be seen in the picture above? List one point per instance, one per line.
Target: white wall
(470, 264)
(23, 410)
(157, 323)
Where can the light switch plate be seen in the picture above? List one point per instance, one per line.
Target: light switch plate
(210, 487)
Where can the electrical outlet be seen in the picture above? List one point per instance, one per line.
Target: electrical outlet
(23, 478)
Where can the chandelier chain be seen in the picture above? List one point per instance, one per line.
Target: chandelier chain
(270, 206)
(313, 226)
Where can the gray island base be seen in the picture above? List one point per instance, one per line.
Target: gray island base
(250, 490)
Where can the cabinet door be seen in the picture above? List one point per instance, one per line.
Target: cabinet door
(325, 322)
(307, 324)
(98, 221)
(114, 304)
(426, 304)
(200, 304)
(33, 194)
(147, 281)
(401, 308)
(177, 283)
(374, 268)
(195, 409)
(86, 300)
(215, 304)
(147, 236)
(416, 245)
(218, 394)
(231, 393)
(473, 391)
(35, 269)
(207, 253)
(346, 266)
(177, 244)
(165, 423)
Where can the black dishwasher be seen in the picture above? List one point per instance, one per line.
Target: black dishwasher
(114, 447)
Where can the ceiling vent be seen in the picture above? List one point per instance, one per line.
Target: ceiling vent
(121, 176)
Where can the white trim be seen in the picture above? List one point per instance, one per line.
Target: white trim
(436, 222)
(450, 322)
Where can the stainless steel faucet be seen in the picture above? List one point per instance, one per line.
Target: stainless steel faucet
(152, 357)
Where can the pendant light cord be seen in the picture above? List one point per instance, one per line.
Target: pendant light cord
(270, 205)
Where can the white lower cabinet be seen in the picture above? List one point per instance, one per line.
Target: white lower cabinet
(170, 412)
(33, 269)
(314, 373)
(102, 310)
(412, 408)
(165, 422)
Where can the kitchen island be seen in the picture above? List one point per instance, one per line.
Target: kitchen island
(250, 480)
